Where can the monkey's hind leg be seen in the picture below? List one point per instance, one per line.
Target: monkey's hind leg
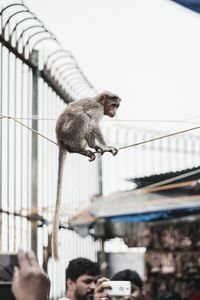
(88, 153)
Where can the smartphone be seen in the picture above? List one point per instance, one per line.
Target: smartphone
(118, 288)
(7, 263)
(5, 291)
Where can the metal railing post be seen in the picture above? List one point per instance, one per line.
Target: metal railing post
(34, 158)
(100, 175)
(1, 72)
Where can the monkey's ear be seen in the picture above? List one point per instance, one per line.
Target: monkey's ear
(101, 98)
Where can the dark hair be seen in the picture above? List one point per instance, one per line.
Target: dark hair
(169, 295)
(80, 266)
(129, 275)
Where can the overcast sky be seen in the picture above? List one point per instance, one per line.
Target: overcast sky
(147, 51)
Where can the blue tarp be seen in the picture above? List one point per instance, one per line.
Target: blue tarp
(157, 215)
(190, 4)
(130, 206)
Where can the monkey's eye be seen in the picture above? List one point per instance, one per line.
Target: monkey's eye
(114, 105)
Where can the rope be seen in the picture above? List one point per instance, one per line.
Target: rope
(161, 137)
(24, 125)
(120, 148)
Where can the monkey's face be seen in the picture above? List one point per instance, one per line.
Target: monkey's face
(110, 103)
(110, 106)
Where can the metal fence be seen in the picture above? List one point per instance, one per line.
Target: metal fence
(35, 85)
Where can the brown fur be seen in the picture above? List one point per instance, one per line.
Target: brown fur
(78, 128)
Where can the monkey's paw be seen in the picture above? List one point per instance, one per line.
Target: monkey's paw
(99, 150)
(92, 156)
(113, 150)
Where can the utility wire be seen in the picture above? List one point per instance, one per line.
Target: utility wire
(33, 217)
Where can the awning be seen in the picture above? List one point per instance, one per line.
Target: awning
(133, 207)
(190, 4)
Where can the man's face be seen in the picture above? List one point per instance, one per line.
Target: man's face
(84, 287)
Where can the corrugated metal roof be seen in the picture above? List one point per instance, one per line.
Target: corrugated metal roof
(190, 4)
(147, 180)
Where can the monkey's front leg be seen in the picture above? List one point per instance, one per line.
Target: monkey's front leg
(90, 138)
(102, 147)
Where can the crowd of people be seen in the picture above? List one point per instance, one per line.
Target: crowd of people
(83, 281)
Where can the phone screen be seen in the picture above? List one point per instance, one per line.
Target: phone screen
(7, 264)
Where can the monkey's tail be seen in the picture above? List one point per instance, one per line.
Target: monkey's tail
(56, 218)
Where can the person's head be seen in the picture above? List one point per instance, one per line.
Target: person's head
(81, 277)
(169, 295)
(136, 283)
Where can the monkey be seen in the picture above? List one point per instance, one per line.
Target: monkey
(77, 128)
